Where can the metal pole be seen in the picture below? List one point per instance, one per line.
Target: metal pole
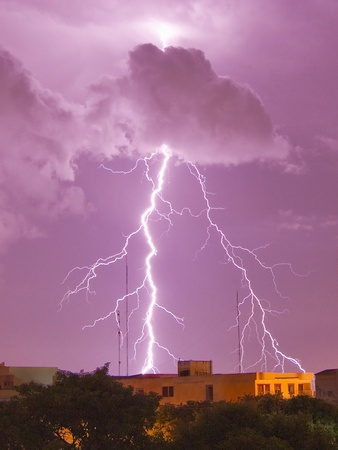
(127, 319)
(119, 343)
(239, 338)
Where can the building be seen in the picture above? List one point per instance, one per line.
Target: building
(196, 382)
(10, 377)
(327, 385)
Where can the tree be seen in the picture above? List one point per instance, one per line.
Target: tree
(315, 408)
(257, 423)
(213, 426)
(174, 421)
(85, 411)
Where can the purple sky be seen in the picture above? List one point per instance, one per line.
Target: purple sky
(246, 91)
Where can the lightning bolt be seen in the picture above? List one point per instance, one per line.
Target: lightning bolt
(254, 324)
(148, 282)
(268, 343)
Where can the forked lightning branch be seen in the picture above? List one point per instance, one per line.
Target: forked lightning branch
(255, 320)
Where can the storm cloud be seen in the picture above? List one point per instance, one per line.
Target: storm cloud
(39, 139)
(175, 97)
(170, 96)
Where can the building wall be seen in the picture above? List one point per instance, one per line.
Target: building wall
(230, 387)
(327, 386)
(11, 377)
(42, 375)
(6, 383)
(202, 386)
(289, 384)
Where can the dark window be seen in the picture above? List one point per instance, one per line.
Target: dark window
(167, 391)
(209, 393)
(291, 389)
(263, 389)
(140, 391)
(7, 385)
(278, 388)
(184, 373)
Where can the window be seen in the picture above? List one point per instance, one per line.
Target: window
(291, 389)
(209, 393)
(7, 384)
(167, 391)
(263, 389)
(184, 373)
(278, 388)
(300, 389)
(140, 391)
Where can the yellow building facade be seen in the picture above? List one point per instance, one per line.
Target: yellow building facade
(195, 382)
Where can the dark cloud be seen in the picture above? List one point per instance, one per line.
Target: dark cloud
(38, 145)
(168, 97)
(175, 97)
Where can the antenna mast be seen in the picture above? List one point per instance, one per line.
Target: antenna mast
(119, 342)
(127, 319)
(239, 337)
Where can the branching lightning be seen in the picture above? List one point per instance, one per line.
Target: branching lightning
(255, 322)
(148, 281)
(257, 308)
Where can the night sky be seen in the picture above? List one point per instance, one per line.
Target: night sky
(245, 97)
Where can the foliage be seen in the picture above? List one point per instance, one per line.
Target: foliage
(94, 411)
(314, 408)
(172, 421)
(82, 411)
(257, 423)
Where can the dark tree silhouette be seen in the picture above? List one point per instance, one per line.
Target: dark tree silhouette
(86, 411)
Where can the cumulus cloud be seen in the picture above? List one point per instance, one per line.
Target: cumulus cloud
(13, 226)
(37, 126)
(291, 221)
(40, 139)
(172, 97)
(175, 97)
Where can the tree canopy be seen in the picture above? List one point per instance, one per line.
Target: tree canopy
(82, 411)
(95, 411)
(266, 422)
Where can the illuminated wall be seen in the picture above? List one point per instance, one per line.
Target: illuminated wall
(230, 387)
(289, 384)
